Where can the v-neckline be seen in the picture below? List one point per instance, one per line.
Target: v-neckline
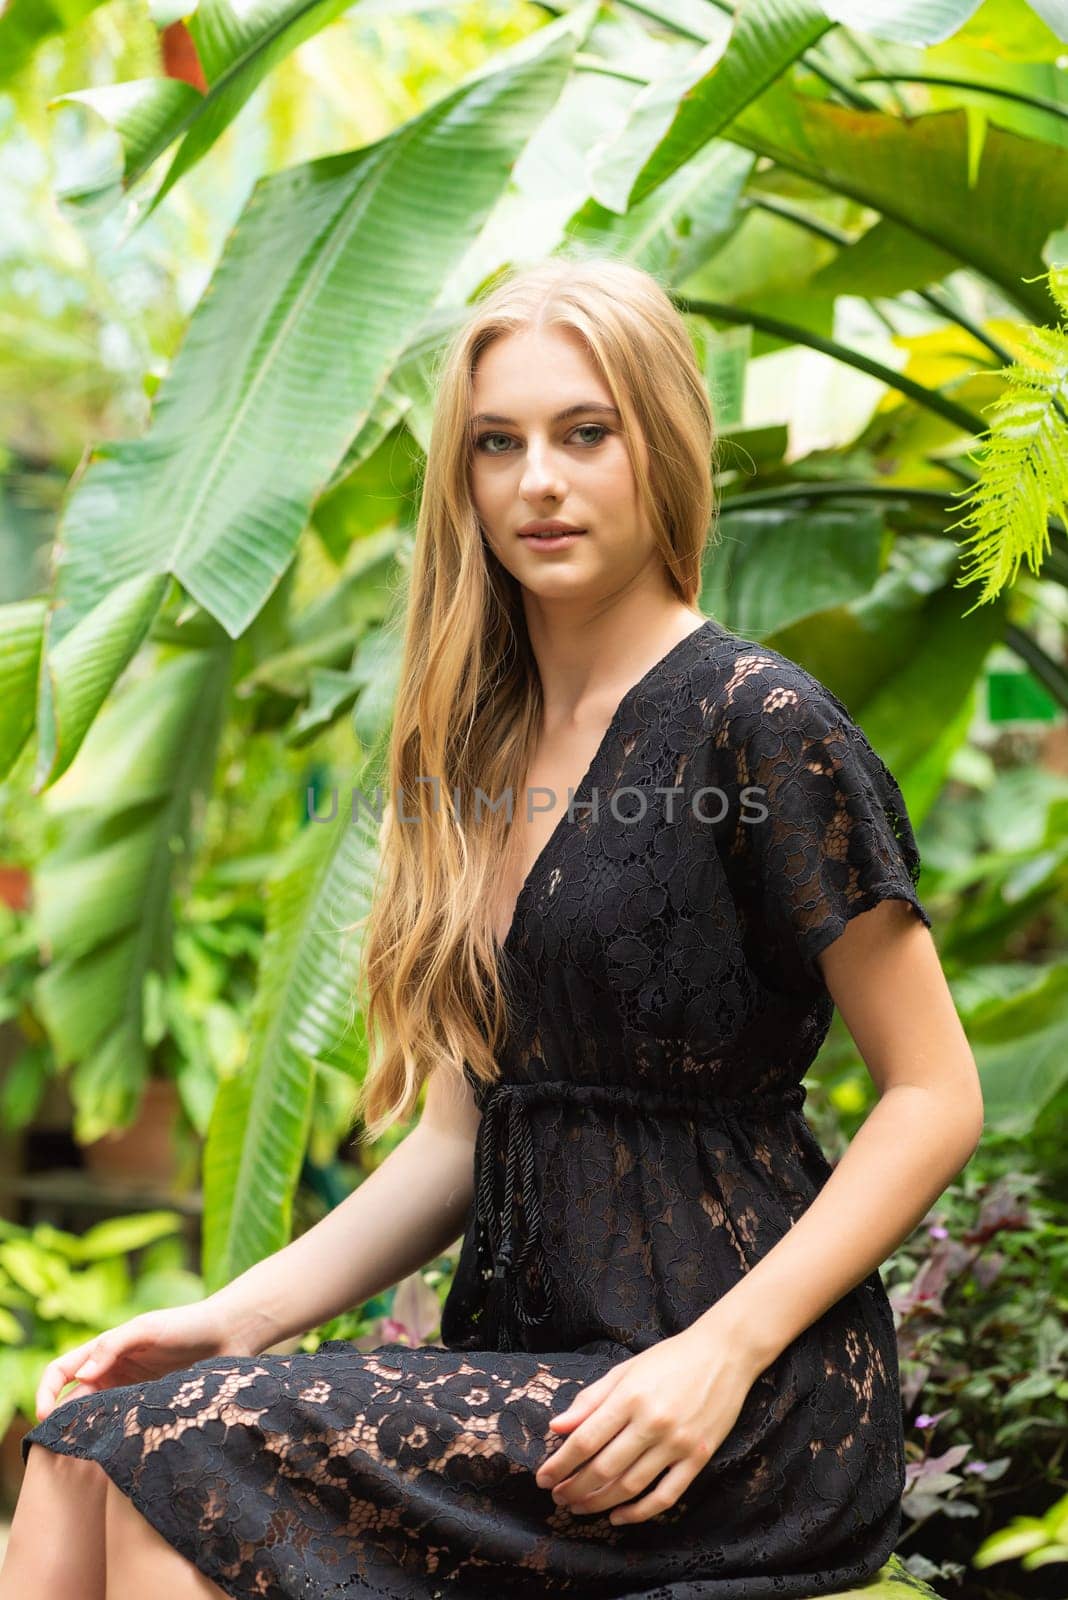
(595, 759)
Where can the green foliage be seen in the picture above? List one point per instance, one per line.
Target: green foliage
(980, 1296)
(193, 503)
(25, 24)
(1023, 464)
(58, 1289)
(1033, 1541)
(857, 254)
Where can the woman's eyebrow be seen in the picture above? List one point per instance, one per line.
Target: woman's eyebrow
(561, 416)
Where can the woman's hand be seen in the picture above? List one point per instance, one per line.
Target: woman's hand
(670, 1406)
(147, 1346)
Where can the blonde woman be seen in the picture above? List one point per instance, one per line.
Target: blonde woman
(668, 1368)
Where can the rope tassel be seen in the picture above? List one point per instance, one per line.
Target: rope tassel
(496, 1233)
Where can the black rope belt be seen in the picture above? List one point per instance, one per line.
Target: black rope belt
(505, 1119)
(504, 1107)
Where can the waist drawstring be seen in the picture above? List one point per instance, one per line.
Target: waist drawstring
(505, 1108)
(505, 1265)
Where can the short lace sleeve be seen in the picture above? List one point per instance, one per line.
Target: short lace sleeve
(828, 834)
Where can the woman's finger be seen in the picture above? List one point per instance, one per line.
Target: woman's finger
(659, 1499)
(589, 1437)
(639, 1474)
(57, 1373)
(96, 1363)
(82, 1388)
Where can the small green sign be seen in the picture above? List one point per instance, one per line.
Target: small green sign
(1019, 697)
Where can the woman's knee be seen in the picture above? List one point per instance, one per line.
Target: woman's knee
(59, 1488)
(68, 1473)
(55, 1545)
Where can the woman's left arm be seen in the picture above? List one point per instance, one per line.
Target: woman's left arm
(884, 975)
(672, 1405)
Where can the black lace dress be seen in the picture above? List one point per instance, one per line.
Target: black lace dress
(644, 1148)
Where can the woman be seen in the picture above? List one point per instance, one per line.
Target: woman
(668, 1365)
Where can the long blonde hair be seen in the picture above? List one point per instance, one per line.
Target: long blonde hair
(468, 707)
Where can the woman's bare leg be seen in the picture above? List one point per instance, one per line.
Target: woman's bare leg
(140, 1561)
(55, 1550)
(76, 1536)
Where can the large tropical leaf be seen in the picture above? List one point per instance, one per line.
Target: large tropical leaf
(84, 665)
(237, 47)
(768, 35)
(326, 277)
(372, 679)
(304, 1013)
(886, 259)
(931, 399)
(918, 22)
(1054, 14)
(681, 224)
(1006, 865)
(907, 169)
(21, 626)
(145, 114)
(916, 173)
(775, 566)
(551, 177)
(923, 22)
(1021, 1049)
(104, 894)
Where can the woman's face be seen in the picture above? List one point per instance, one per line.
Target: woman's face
(529, 463)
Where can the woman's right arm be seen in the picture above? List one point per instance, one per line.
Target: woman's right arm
(407, 1212)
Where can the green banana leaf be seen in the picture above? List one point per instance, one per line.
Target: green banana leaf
(681, 224)
(21, 628)
(372, 679)
(924, 22)
(81, 670)
(145, 114)
(884, 260)
(237, 48)
(918, 22)
(915, 173)
(326, 277)
(779, 565)
(104, 893)
(1021, 1048)
(303, 1013)
(768, 36)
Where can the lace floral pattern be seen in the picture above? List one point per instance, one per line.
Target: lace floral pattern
(644, 1147)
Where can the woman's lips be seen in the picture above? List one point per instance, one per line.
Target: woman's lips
(552, 541)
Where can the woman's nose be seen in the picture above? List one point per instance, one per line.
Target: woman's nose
(541, 471)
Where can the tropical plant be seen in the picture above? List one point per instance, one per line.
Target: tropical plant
(1034, 1541)
(979, 1295)
(58, 1289)
(1023, 479)
(817, 211)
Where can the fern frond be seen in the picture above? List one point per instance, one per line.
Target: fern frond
(1022, 461)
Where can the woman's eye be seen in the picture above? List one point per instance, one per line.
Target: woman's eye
(483, 442)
